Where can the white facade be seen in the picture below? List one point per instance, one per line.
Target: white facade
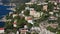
(22, 12)
(25, 26)
(45, 7)
(17, 32)
(37, 14)
(51, 13)
(28, 3)
(1, 30)
(15, 21)
(14, 25)
(14, 15)
(33, 1)
(30, 21)
(27, 8)
(55, 3)
(32, 11)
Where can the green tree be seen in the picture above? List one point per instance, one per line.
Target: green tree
(26, 13)
(51, 29)
(50, 6)
(47, 0)
(21, 22)
(20, 8)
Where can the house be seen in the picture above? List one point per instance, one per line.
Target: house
(14, 15)
(27, 8)
(23, 31)
(53, 25)
(33, 1)
(22, 12)
(1, 30)
(15, 23)
(52, 18)
(9, 20)
(57, 15)
(42, 3)
(13, 9)
(51, 13)
(25, 26)
(55, 3)
(29, 19)
(29, 3)
(17, 32)
(10, 12)
(37, 15)
(21, 15)
(45, 7)
(58, 1)
(32, 11)
(55, 11)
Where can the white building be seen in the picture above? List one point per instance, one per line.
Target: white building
(32, 11)
(37, 15)
(33, 1)
(55, 3)
(29, 19)
(27, 8)
(29, 3)
(1, 30)
(22, 12)
(45, 7)
(17, 32)
(14, 15)
(52, 18)
(51, 13)
(25, 26)
(15, 23)
(10, 13)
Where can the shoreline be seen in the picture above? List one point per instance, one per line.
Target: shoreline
(3, 19)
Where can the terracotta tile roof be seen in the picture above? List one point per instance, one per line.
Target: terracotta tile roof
(1, 28)
(29, 18)
(14, 23)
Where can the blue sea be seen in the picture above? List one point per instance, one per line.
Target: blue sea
(2, 24)
(3, 12)
(3, 8)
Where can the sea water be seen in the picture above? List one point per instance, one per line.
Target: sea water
(3, 12)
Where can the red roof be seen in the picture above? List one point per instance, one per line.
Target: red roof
(29, 18)
(1, 28)
(14, 23)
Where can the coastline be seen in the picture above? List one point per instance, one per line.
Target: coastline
(3, 13)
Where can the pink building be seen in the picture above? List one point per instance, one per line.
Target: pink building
(33, 1)
(58, 1)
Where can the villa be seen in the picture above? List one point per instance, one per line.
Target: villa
(1, 30)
